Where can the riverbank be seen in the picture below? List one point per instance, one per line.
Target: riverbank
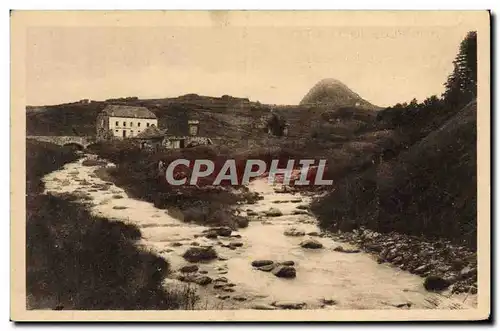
(77, 260)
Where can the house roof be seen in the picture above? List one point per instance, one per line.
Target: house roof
(129, 111)
(151, 132)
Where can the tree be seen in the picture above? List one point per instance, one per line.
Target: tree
(461, 86)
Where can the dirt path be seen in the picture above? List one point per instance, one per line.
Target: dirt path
(325, 278)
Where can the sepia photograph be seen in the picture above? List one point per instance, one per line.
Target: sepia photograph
(250, 165)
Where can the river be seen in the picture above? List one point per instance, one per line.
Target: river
(325, 278)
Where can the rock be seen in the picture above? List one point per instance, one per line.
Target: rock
(313, 234)
(241, 222)
(289, 304)
(236, 236)
(222, 258)
(262, 306)
(117, 196)
(260, 263)
(228, 289)
(211, 235)
(397, 259)
(284, 271)
(222, 231)
(203, 280)
(296, 200)
(194, 243)
(222, 296)
(300, 212)
(273, 212)
(266, 268)
(457, 264)
(434, 283)
(302, 207)
(235, 244)
(119, 207)
(420, 270)
(281, 201)
(222, 280)
(218, 285)
(468, 272)
(189, 268)
(293, 232)
(288, 263)
(240, 298)
(328, 301)
(196, 254)
(251, 213)
(311, 244)
(176, 244)
(203, 272)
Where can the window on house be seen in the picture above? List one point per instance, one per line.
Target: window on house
(116, 123)
(147, 124)
(139, 124)
(124, 124)
(116, 131)
(131, 124)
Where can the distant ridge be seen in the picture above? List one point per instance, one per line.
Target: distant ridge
(333, 92)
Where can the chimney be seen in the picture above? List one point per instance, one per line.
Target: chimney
(193, 127)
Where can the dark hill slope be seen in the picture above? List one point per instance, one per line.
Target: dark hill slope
(427, 189)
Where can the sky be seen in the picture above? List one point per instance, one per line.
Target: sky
(276, 65)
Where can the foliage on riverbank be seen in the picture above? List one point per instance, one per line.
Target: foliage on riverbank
(75, 260)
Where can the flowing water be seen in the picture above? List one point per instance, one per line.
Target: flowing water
(325, 278)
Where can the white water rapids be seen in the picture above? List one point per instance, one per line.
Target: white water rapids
(352, 281)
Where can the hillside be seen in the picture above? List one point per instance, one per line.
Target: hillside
(334, 93)
(227, 120)
(427, 188)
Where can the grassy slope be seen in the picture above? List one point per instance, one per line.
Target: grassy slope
(79, 261)
(428, 188)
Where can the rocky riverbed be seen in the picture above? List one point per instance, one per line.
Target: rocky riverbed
(281, 260)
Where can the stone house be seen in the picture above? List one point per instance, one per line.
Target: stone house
(121, 121)
(186, 139)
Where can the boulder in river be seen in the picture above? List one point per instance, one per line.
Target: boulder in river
(289, 304)
(311, 244)
(262, 306)
(203, 280)
(266, 268)
(288, 262)
(273, 212)
(284, 271)
(328, 301)
(260, 263)
(189, 268)
(300, 212)
(241, 221)
(345, 250)
(222, 231)
(197, 254)
(434, 283)
(293, 232)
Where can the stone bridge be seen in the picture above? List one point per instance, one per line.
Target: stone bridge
(78, 141)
